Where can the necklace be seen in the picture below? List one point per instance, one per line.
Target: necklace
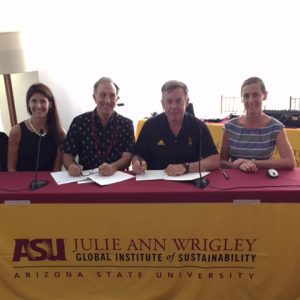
(35, 130)
(104, 151)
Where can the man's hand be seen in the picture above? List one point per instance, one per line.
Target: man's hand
(175, 170)
(75, 169)
(139, 166)
(107, 169)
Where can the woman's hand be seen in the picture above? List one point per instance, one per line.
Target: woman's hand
(245, 165)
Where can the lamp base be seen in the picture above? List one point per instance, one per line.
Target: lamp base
(36, 184)
(201, 182)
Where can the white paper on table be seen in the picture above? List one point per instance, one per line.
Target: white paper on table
(62, 177)
(151, 175)
(105, 180)
(161, 175)
(185, 177)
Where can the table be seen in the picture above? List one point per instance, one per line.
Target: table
(235, 239)
(15, 186)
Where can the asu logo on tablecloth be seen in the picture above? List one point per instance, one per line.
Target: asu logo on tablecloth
(39, 250)
(172, 251)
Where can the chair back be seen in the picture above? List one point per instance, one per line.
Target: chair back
(231, 105)
(294, 103)
(190, 109)
(3, 151)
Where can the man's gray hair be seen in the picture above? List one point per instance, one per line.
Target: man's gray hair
(105, 79)
(170, 85)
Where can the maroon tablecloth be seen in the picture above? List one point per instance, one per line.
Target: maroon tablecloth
(240, 186)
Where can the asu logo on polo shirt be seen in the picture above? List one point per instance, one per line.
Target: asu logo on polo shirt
(161, 143)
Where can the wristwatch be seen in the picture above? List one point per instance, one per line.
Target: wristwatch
(187, 167)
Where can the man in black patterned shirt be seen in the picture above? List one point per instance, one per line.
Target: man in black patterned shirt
(101, 138)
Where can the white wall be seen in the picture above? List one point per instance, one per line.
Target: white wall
(211, 45)
(20, 85)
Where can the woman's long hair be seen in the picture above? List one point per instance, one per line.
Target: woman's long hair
(53, 121)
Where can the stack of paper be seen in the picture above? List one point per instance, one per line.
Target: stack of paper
(161, 175)
(63, 177)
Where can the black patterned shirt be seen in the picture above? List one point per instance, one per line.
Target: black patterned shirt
(95, 144)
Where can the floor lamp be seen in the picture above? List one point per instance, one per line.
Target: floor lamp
(11, 61)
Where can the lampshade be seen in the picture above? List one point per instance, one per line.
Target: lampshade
(11, 61)
(11, 53)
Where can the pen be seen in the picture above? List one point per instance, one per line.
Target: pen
(77, 164)
(141, 162)
(224, 173)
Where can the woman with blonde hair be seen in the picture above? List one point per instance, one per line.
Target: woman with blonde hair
(250, 139)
